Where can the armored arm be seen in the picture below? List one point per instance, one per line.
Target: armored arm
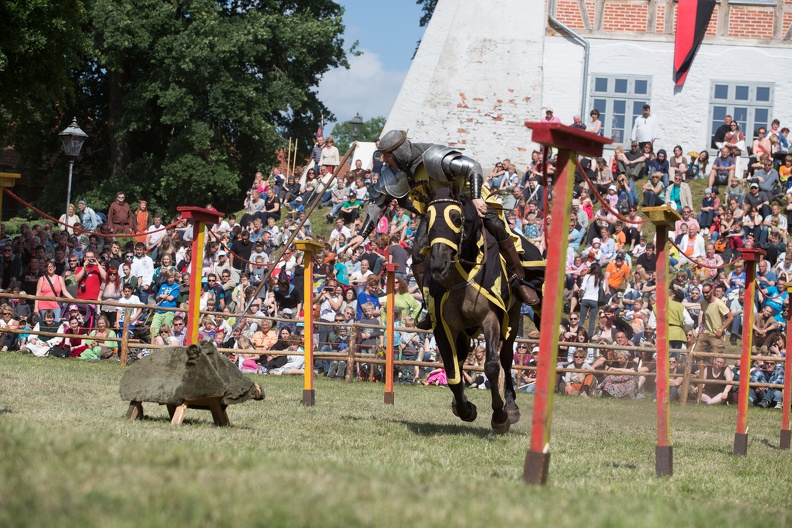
(452, 164)
(373, 213)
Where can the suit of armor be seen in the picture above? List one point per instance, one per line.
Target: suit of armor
(418, 165)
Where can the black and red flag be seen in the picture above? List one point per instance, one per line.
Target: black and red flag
(693, 17)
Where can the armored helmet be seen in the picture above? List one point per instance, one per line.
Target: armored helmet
(395, 143)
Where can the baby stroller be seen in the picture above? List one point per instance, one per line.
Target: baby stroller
(86, 314)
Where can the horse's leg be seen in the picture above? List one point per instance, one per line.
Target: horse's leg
(495, 374)
(507, 358)
(460, 405)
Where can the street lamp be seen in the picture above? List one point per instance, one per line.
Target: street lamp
(356, 124)
(73, 138)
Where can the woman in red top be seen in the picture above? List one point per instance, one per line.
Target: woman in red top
(51, 285)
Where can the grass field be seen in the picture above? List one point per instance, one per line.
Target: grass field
(69, 458)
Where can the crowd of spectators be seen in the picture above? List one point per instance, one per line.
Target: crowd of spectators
(609, 292)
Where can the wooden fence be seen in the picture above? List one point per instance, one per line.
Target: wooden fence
(353, 356)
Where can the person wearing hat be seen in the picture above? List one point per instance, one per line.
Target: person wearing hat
(759, 199)
(549, 117)
(350, 208)
(437, 165)
(88, 218)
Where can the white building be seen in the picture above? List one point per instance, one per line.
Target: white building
(484, 67)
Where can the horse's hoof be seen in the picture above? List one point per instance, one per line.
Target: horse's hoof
(514, 414)
(500, 428)
(469, 416)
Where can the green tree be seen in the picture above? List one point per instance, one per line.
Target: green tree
(184, 101)
(41, 41)
(371, 131)
(428, 11)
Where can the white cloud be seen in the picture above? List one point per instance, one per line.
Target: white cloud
(366, 87)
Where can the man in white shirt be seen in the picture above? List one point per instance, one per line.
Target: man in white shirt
(339, 229)
(646, 129)
(143, 269)
(153, 239)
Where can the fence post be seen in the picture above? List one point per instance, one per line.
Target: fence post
(750, 256)
(569, 142)
(308, 247)
(686, 376)
(351, 351)
(663, 218)
(125, 336)
(390, 268)
(786, 436)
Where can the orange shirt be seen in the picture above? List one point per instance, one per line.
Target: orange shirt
(618, 274)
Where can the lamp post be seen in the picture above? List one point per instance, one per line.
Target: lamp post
(73, 138)
(356, 125)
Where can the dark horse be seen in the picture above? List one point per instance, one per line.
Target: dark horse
(469, 293)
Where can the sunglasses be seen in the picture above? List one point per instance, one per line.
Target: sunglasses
(580, 357)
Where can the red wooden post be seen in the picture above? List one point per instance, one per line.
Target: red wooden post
(663, 218)
(569, 141)
(390, 268)
(785, 433)
(200, 217)
(308, 247)
(751, 257)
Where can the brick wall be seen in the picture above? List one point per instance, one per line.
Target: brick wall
(568, 13)
(660, 19)
(749, 22)
(623, 16)
(631, 16)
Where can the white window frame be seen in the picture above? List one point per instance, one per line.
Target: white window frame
(632, 102)
(733, 107)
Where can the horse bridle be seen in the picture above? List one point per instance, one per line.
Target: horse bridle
(459, 259)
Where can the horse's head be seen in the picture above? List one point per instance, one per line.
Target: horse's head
(445, 221)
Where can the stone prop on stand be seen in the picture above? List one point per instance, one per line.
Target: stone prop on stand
(196, 376)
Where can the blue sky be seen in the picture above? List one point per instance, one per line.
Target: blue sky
(387, 33)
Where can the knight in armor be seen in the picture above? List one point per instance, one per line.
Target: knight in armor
(411, 168)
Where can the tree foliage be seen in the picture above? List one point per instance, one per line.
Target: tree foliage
(371, 131)
(428, 11)
(184, 100)
(41, 41)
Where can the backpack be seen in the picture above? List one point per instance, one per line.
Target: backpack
(101, 218)
(623, 206)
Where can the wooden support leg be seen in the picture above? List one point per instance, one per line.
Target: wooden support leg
(178, 415)
(218, 413)
(135, 411)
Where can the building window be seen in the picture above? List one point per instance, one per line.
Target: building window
(619, 99)
(750, 104)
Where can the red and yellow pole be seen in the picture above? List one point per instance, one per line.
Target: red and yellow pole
(200, 217)
(308, 247)
(390, 332)
(751, 257)
(663, 218)
(569, 141)
(785, 433)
